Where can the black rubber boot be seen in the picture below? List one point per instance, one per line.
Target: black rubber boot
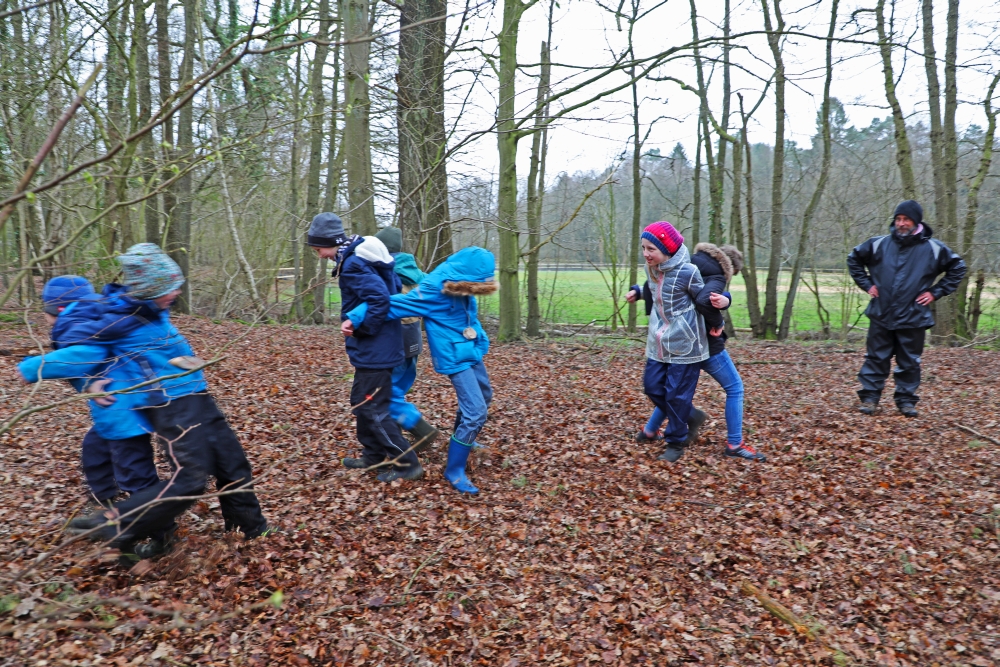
(695, 422)
(358, 464)
(868, 407)
(907, 410)
(424, 435)
(92, 518)
(411, 473)
(672, 453)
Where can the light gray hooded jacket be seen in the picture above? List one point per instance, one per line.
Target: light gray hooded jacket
(677, 332)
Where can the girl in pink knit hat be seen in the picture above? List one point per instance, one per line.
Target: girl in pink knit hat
(677, 341)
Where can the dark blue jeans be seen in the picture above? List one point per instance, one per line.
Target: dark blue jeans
(111, 466)
(671, 388)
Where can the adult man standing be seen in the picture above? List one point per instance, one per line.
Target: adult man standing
(898, 271)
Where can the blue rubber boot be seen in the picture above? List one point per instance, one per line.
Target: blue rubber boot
(454, 472)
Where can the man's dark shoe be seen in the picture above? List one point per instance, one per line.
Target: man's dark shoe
(907, 410)
(411, 473)
(695, 422)
(424, 435)
(671, 454)
(745, 451)
(92, 518)
(133, 553)
(644, 439)
(868, 407)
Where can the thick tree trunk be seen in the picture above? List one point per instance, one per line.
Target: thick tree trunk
(750, 249)
(357, 133)
(507, 138)
(634, 243)
(774, 32)
(945, 312)
(147, 149)
(904, 154)
(696, 186)
(817, 195)
(423, 180)
(179, 231)
(115, 81)
(311, 285)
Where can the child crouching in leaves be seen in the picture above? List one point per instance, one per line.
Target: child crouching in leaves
(445, 298)
(677, 341)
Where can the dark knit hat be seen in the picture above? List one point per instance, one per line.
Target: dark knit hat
(64, 290)
(911, 210)
(326, 231)
(664, 236)
(392, 237)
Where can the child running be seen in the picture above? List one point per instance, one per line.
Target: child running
(445, 298)
(677, 341)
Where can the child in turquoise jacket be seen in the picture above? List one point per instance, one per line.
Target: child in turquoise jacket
(445, 298)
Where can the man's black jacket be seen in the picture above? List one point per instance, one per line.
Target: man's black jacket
(903, 267)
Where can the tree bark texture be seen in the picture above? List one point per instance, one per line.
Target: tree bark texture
(357, 132)
(536, 186)
(904, 154)
(774, 32)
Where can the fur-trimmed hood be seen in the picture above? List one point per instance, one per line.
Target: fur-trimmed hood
(469, 288)
(728, 257)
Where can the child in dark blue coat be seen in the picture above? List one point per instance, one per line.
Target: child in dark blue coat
(445, 298)
(365, 271)
(116, 452)
(131, 326)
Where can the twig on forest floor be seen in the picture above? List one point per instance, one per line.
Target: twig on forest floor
(437, 551)
(976, 433)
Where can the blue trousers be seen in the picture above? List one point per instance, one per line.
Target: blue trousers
(474, 392)
(671, 388)
(722, 368)
(405, 413)
(111, 466)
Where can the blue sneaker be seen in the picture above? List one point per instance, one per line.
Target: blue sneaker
(745, 451)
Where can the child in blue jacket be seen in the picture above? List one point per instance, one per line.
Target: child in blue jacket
(364, 268)
(132, 326)
(116, 452)
(445, 298)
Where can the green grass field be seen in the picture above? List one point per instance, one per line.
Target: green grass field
(577, 297)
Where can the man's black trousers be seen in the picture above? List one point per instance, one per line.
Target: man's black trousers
(198, 442)
(378, 432)
(883, 344)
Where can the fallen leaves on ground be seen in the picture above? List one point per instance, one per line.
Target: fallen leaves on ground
(879, 535)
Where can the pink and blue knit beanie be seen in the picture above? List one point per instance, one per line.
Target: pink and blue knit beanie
(149, 272)
(663, 235)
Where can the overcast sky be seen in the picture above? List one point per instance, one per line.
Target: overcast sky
(586, 35)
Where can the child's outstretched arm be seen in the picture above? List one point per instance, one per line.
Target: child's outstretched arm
(400, 306)
(78, 361)
(370, 287)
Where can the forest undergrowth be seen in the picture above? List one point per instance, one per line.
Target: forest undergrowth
(877, 539)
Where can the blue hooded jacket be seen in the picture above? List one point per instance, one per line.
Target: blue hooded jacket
(445, 298)
(135, 337)
(367, 276)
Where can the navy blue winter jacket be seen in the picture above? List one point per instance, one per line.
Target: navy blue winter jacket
(367, 276)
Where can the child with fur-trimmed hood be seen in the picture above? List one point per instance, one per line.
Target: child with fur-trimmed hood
(457, 341)
(718, 265)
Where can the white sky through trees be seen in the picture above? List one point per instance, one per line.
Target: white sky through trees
(586, 35)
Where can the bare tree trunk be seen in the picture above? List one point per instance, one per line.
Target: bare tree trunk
(714, 175)
(179, 232)
(934, 105)
(696, 185)
(294, 219)
(357, 134)
(634, 242)
(904, 154)
(507, 138)
(147, 155)
(817, 195)
(716, 234)
(335, 152)
(968, 318)
(167, 128)
(536, 186)
(750, 249)
(311, 285)
(945, 311)
(114, 187)
(778, 173)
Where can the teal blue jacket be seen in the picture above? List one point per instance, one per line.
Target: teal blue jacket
(447, 304)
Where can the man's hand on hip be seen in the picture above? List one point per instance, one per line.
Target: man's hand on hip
(925, 299)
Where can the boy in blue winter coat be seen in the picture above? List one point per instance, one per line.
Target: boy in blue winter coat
(445, 298)
(365, 271)
(403, 376)
(131, 326)
(116, 452)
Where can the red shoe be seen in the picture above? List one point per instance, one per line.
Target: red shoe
(744, 451)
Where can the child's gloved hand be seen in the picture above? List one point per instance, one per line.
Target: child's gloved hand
(719, 302)
(96, 387)
(347, 328)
